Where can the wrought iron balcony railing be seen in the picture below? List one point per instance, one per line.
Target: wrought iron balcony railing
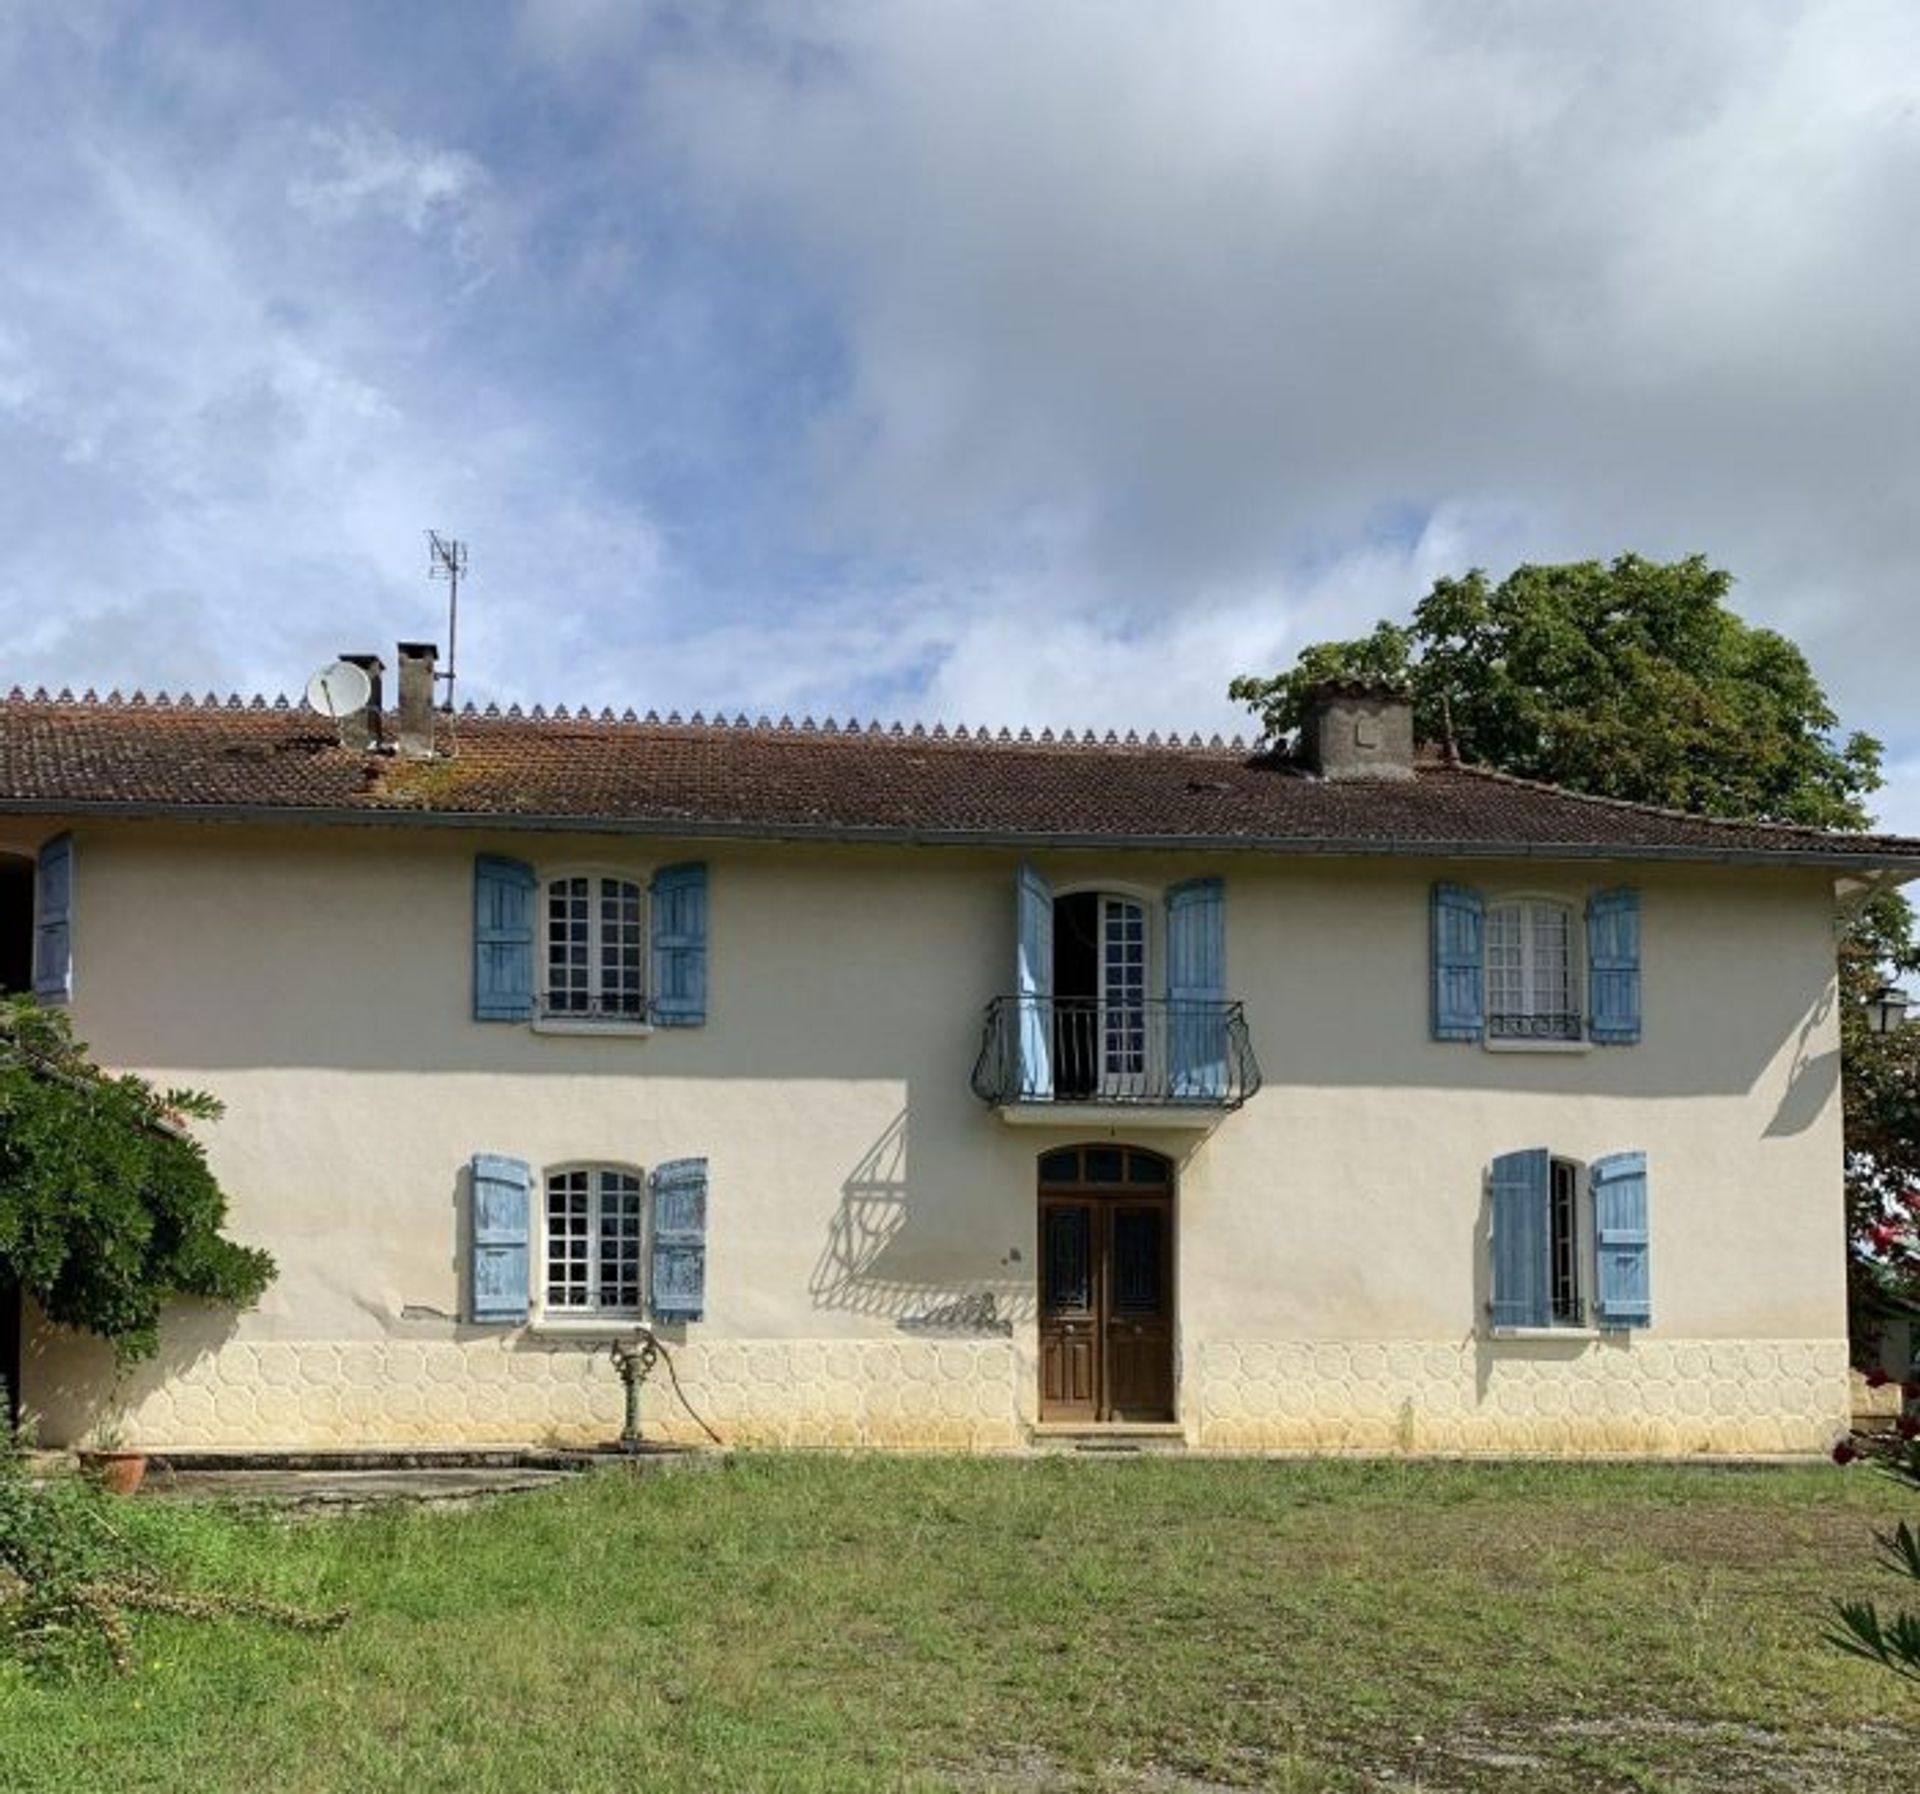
(1157, 1051)
(1539, 1024)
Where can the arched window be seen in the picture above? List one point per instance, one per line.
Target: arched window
(595, 947)
(1532, 973)
(594, 1222)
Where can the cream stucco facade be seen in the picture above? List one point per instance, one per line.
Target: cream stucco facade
(1330, 1261)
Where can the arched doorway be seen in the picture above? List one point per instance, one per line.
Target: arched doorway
(1106, 1285)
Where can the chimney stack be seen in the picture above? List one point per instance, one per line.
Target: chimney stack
(416, 699)
(361, 728)
(1355, 730)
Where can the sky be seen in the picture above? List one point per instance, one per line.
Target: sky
(983, 363)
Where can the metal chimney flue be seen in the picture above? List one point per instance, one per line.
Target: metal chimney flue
(417, 683)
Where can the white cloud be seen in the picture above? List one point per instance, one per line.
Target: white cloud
(365, 168)
(1004, 362)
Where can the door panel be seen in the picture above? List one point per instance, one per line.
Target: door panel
(1106, 1308)
(1139, 1317)
(1069, 1311)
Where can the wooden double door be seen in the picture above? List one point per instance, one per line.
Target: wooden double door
(1106, 1289)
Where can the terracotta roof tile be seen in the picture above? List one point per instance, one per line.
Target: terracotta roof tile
(225, 757)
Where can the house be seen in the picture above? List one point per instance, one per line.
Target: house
(947, 1089)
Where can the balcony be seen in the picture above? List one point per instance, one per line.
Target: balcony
(1160, 1060)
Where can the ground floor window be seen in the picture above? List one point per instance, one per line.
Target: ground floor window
(1568, 1300)
(593, 1238)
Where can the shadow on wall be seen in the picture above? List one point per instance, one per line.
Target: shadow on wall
(1812, 1080)
(875, 1263)
(72, 1386)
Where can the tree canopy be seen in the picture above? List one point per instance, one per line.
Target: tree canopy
(108, 1210)
(1633, 680)
(1636, 680)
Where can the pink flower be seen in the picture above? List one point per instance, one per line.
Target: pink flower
(1844, 1452)
(1909, 1426)
(1877, 1378)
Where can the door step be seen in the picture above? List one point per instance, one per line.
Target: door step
(1111, 1436)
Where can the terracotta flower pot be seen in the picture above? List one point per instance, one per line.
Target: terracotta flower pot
(119, 1471)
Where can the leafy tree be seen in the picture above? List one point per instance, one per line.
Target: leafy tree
(107, 1208)
(1636, 681)
(1632, 680)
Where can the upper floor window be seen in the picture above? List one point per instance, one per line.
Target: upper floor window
(575, 951)
(1532, 986)
(1516, 971)
(595, 948)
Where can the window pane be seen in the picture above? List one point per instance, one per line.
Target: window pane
(620, 942)
(1123, 978)
(567, 946)
(1564, 1247)
(568, 1235)
(1106, 1165)
(619, 1263)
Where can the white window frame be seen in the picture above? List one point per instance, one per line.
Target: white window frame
(551, 1316)
(592, 1020)
(1528, 904)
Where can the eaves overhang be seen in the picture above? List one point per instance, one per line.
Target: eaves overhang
(1900, 866)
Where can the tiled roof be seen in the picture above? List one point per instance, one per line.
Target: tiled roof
(226, 758)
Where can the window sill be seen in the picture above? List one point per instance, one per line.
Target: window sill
(612, 1326)
(584, 1024)
(1559, 1333)
(1537, 1046)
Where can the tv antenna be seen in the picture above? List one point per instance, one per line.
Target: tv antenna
(447, 559)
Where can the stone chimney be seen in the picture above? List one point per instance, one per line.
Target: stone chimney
(416, 699)
(1353, 730)
(361, 728)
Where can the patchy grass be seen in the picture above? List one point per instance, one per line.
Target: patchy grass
(821, 1623)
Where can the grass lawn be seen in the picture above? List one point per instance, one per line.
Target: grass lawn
(812, 1623)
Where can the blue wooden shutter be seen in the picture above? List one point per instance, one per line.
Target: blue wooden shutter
(1033, 982)
(680, 1240)
(1613, 967)
(1519, 1186)
(502, 1197)
(679, 920)
(1622, 1283)
(503, 893)
(53, 921)
(1459, 977)
(1197, 988)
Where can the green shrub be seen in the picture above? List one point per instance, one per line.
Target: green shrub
(108, 1210)
(1891, 1640)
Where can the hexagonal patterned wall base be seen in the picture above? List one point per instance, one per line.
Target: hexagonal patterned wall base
(1608, 1395)
(1614, 1394)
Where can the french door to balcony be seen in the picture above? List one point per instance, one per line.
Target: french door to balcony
(1124, 1041)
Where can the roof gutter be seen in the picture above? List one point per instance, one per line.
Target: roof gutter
(1896, 868)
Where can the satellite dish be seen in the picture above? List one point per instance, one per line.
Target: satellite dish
(339, 690)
